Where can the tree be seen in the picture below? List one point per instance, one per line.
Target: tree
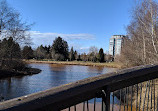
(101, 55)
(13, 33)
(108, 58)
(48, 52)
(93, 50)
(48, 49)
(92, 55)
(76, 55)
(10, 49)
(10, 55)
(59, 49)
(27, 52)
(142, 46)
(11, 24)
(40, 52)
(79, 58)
(72, 54)
(84, 57)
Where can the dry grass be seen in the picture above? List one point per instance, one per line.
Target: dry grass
(111, 64)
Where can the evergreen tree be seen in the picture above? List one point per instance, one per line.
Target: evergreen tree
(79, 58)
(101, 55)
(27, 52)
(60, 49)
(72, 55)
(10, 49)
(10, 55)
(48, 52)
(75, 54)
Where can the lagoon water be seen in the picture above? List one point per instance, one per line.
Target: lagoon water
(52, 75)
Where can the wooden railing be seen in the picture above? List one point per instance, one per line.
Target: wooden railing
(125, 82)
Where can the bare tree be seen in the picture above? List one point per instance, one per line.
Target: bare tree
(142, 48)
(147, 19)
(92, 55)
(93, 49)
(11, 26)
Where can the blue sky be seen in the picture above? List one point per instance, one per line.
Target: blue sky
(82, 23)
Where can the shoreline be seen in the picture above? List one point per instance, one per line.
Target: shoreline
(82, 63)
(29, 71)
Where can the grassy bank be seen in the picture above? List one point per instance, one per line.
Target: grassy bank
(111, 64)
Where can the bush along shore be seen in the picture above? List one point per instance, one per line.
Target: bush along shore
(12, 73)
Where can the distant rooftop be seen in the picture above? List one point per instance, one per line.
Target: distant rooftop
(117, 36)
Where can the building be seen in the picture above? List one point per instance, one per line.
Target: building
(116, 44)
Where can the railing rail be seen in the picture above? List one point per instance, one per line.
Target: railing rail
(68, 95)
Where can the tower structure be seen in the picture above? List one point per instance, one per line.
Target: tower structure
(116, 44)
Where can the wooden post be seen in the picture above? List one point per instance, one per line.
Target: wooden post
(106, 100)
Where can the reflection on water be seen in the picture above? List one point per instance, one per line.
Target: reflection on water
(52, 75)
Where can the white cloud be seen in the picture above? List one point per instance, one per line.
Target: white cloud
(83, 36)
(84, 48)
(78, 41)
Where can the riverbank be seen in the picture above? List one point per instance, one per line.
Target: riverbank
(27, 71)
(111, 64)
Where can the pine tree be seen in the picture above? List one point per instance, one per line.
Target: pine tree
(59, 49)
(101, 55)
(72, 55)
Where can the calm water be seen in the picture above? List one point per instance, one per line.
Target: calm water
(52, 75)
